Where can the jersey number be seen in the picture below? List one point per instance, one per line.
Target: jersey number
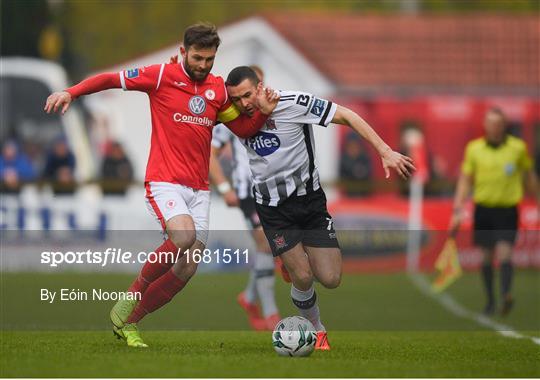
(303, 100)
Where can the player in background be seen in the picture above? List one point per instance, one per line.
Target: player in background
(261, 280)
(494, 168)
(289, 199)
(185, 103)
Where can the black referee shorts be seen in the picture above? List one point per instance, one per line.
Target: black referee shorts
(495, 224)
(302, 219)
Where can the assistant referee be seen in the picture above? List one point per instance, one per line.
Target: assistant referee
(495, 166)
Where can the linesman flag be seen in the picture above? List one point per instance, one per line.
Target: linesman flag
(448, 266)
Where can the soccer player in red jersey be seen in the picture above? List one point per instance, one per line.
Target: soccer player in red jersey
(186, 101)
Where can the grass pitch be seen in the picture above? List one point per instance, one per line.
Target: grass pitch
(380, 326)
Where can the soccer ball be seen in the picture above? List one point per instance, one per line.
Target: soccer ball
(294, 336)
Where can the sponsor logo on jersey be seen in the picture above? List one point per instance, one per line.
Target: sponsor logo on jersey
(132, 73)
(264, 143)
(197, 104)
(210, 94)
(318, 107)
(190, 119)
(179, 84)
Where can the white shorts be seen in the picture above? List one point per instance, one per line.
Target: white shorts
(166, 200)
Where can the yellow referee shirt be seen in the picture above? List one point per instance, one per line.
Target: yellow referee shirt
(497, 171)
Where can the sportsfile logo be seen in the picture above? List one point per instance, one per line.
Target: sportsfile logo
(181, 118)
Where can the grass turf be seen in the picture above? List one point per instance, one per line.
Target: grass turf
(380, 326)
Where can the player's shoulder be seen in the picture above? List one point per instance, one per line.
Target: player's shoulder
(476, 144)
(156, 67)
(214, 80)
(293, 101)
(291, 96)
(516, 142)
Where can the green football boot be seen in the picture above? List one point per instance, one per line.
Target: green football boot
(121, 312)
(130, 333)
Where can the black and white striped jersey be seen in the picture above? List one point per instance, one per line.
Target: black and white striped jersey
(241, 175)
(282, 154)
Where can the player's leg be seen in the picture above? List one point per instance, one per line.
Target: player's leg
(168, 206)
(265, 279)
(507, 223)
(503, 250)
(320, 241)
(326, 265)
(247, 299)
(483, 238)
(262, 270)
(322, 247)
(186, 232)
(487, 279)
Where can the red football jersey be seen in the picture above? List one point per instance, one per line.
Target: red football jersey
(184, 113)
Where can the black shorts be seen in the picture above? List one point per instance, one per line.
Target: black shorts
(247, 205)
(302, 219)
(495, 224)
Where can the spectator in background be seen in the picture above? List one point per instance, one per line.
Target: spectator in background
(60, 168)
(15, 168)
(355, 167)
(116, 170)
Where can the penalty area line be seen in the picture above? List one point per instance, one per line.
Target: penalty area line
(449, 303)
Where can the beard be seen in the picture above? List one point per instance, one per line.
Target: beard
(197, 76)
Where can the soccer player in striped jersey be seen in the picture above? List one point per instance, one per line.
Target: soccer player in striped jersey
(186, 100)
(289, 199)
(261, 280)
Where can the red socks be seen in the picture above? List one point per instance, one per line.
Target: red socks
(152, 271)
(159, 293)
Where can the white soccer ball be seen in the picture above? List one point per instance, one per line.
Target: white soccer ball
(294, 336)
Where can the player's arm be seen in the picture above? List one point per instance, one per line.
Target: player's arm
(531, 181)
(403, 165)
(144, 79)
(62, 99)
(218, 178)
(463, 189)
(245, 126)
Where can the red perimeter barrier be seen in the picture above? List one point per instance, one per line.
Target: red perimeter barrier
(373, 234)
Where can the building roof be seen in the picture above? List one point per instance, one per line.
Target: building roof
(451, 52)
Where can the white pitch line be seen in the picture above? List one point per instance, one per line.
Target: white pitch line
(457, 309)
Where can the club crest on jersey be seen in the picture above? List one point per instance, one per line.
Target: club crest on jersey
(210, 94)
(270, 124)
(132, 73)
(279, 241)
(263, 143)
(509, 169)
(171, 203)
(197, 104)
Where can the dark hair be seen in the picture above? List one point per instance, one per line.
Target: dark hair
(241, 73)
(258, 70)
(202, 36)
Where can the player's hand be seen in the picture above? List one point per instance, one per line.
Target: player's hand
(455, 222)
(231, 199)
(267, 99)
(173, 59)
(403, 165)
(58, 100)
